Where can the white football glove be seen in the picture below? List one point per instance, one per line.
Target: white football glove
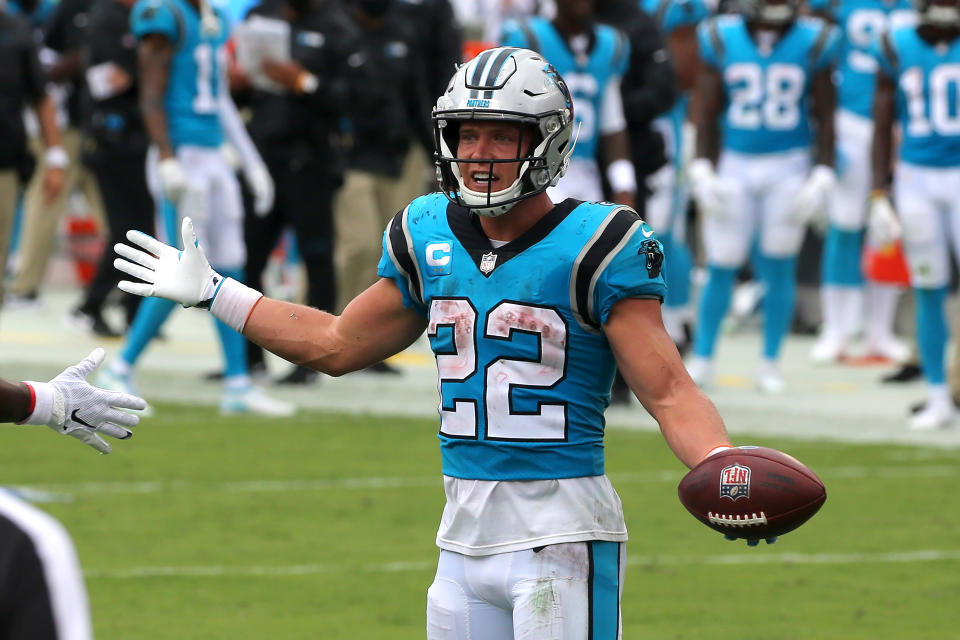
(173, 179)
(182, 276)
(883, 226)
(711, 195)
(810, 203)
(261, 185)
(70, 405)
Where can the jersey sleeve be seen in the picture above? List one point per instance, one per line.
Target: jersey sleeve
(512, 35)
(708, 42)
(399, 264)
(636, 271)
(684, 13)
(154, 17)
(829, 44)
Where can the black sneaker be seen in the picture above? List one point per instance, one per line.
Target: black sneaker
(907, 373)
(383, 368)
(299, 375)
(92, 322)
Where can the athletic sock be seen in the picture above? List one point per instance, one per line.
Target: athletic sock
(932, 333)
(778, 302)
(714, 303)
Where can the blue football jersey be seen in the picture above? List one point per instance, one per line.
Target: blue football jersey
(586, 77)
(524, 366)
(767, 92)
(197, 74)
(860, 22)
(671, 15)
(928, 95)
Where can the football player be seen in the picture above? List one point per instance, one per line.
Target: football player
(528, 306)
(189, 114)
(841, 289)
(667, 206)
(591, 58)
(917, 88)
(766, 76)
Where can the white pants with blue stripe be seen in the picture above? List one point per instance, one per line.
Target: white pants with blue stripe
(567, 591)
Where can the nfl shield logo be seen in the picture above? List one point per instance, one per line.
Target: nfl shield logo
(735, 482)
(487, 262)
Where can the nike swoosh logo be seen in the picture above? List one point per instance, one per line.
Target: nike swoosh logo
(646, 232)
(79, 420)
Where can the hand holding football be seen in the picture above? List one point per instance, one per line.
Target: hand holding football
(752, 492)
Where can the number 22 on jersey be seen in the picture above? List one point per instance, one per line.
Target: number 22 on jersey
(495, 384)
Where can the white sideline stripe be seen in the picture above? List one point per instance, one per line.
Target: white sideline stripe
(259, 486)
(758, 557)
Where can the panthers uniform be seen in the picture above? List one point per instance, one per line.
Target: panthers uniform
(593, 77)
(524, 375)
(860, 22)
(764, 163)
(926, 178)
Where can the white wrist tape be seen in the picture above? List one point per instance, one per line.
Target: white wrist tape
(621, 176)
(56, 158)
(233, 303)
(42, 403)
(716, 450)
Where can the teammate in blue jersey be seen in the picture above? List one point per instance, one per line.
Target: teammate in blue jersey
(591, 58)
(917, 88)
(842, 292)
(667, 206)
(766, 79)
(189, 115)
(528, 306)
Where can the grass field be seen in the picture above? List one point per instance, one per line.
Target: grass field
(323, 526)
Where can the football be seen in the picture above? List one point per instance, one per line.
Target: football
(752, 492)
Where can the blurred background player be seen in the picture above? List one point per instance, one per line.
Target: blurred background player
(62, 36)
(842, 281)
(114, 149)
(591, 58)
(22, 86)
(188, 113)
(666, 210)
(387, 93)
(529, 307)
(296, 128)
(916, 88)
(767, 76)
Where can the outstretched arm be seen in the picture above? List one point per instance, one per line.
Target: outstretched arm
(374, 325)
(651, 365)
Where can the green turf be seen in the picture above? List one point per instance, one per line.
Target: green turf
(322, 526)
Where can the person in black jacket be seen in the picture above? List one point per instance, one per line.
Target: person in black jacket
(297, 132)
(387, 85)
(22, 84)
(114, 148)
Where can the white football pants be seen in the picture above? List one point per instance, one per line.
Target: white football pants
(567, 591)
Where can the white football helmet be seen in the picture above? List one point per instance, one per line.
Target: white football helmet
(778, 12)
(512, 85)
(938, 14)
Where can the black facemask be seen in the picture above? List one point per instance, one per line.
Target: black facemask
(374, 8)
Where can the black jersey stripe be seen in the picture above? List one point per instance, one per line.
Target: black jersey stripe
(596, 254)
(400, 247)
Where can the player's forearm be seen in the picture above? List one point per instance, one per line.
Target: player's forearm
(824, 99)
(690, 423)
(47, 118)
(297, 333)
(882, 146)
(14, 401)
(707, 109)
(153, 57)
